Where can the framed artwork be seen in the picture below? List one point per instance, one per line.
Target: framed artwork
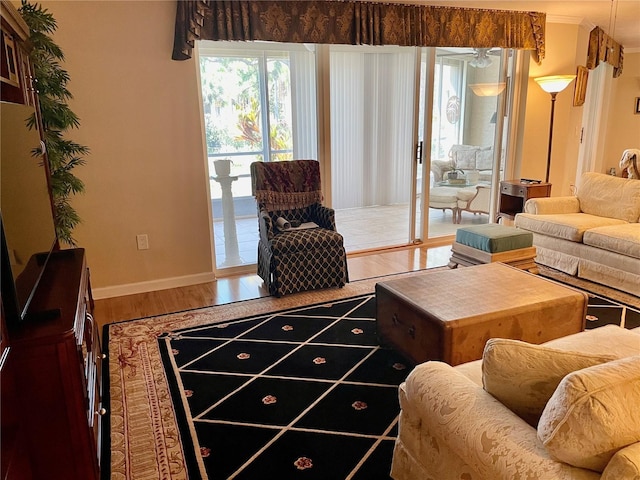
(580, 90)
(637, 109)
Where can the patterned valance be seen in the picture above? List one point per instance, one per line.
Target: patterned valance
(603, 48)
(355, 23)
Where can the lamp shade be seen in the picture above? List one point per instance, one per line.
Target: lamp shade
(487, 89)
(554, 83)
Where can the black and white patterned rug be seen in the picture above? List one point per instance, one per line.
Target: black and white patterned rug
(307, 392)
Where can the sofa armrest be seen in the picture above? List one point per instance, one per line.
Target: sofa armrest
(439, 167)
(551, 205)
(489, 438)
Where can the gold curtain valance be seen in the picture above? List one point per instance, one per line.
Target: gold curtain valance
(603, 48)
(355, 23)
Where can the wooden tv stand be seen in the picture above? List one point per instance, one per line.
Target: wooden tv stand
(54, 364)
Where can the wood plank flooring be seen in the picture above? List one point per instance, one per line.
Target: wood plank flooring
(245, 287)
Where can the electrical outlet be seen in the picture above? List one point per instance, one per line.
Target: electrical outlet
(143, 241)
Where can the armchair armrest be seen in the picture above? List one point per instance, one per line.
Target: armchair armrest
(265, 226)
(551, 205)
(489, 438)
(325, 217)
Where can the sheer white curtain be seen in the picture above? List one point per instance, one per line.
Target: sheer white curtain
(372, 95)
(303, 99)
(594, 120)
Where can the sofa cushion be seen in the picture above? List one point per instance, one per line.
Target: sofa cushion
(607, 340)
(622, 239)
(624, 464)
(607, 196)
(523, 376)
(466, 159)
(593, 413)
(484, 158)
(569, 226)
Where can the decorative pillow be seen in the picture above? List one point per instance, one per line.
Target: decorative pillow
(523, 376)
(593, 413)
(624, 464)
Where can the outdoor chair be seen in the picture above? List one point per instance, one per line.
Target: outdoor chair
(293, 254)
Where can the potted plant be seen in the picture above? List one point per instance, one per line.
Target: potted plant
(454, 174)
(61, 154)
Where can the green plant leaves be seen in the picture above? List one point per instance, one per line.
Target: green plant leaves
(50, 81)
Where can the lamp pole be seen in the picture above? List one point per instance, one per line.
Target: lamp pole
(553, 84)
(553, 106)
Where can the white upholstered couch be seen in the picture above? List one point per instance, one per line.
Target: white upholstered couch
(470, 159)
(594, 235)
(452, 428)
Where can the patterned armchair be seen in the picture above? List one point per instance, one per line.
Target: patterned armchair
(294, 260)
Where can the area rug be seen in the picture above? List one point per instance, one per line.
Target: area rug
(172, 378)
(305, 392)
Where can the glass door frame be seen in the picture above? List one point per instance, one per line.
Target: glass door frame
(507, 100)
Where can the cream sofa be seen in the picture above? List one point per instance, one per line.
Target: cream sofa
(450, 427)
(470, 159)
(594, 235)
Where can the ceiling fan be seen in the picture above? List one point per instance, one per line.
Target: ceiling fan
(480, 56)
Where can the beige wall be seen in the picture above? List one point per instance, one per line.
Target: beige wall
(140, 116)
(564, 42)
(624, 124)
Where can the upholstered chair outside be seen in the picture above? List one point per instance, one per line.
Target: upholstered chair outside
(294, 260)
(474, 201)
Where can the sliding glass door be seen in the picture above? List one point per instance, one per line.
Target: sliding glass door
(372, 143)
(410, 138)
(467, 154)
(259, 104)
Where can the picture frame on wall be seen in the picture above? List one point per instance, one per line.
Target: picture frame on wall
(637, 107)
(580, 89)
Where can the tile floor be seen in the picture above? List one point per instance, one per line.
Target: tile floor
(362, 228)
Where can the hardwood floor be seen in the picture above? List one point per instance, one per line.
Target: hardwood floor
(245, 287)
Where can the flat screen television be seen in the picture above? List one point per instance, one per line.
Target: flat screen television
(28, 232)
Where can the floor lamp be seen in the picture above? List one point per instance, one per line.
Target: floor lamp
(553, 84)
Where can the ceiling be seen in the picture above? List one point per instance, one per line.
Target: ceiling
(625, 30)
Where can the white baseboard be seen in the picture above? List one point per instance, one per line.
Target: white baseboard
(152, 286)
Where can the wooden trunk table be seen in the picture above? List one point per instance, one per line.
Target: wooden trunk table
(449, 315)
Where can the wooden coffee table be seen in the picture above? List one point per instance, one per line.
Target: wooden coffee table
(449, 315)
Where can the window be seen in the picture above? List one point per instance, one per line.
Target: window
(258, 105)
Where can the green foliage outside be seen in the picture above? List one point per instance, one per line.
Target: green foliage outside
(63, 155)
(233, 82)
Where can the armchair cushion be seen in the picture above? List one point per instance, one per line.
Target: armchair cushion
(593, 413)
(524, 376)
(311, 239)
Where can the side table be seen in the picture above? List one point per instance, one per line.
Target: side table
(514, 194)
